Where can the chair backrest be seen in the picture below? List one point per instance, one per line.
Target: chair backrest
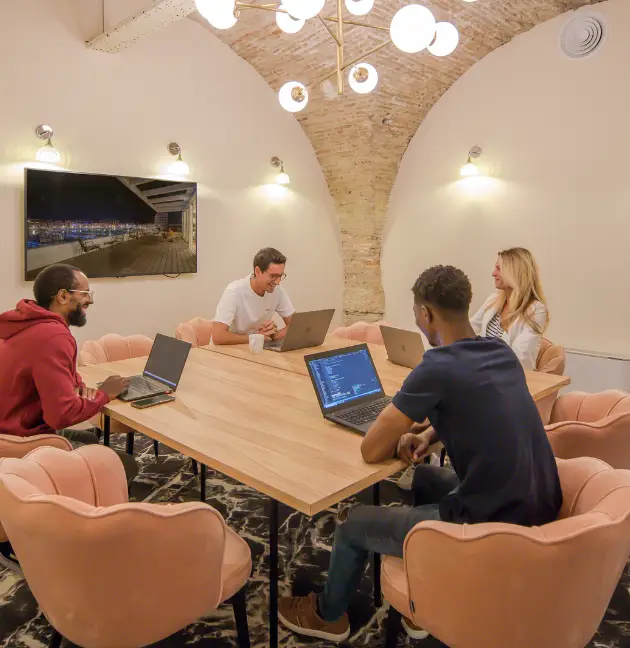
(580, 406)
(16, 447)
(197, 331)
(522, 587)
(361, 332)
(113, 347)
(90, 557)
(551, 358)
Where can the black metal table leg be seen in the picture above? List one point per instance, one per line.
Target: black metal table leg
(202, 482)
(130, 440)
(378, 598)
(273, 573)
(106, 428)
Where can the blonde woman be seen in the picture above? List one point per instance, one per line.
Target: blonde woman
(517, 312)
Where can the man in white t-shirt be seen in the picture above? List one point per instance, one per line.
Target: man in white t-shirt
(248, 305)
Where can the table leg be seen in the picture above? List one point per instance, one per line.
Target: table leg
(273, 573)
(130, 440)
(106, 428)
(202, 482)
(378, 599)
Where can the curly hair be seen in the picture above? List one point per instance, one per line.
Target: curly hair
(444, 287)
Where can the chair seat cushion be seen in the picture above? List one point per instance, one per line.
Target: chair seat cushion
(237, 564)
(394, 584)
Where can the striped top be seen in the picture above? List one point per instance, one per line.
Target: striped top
(494, 328)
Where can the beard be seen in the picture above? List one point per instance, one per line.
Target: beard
(77, 317)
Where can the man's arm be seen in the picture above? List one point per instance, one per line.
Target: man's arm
(53, 374)
(221, 334)
(382, 439)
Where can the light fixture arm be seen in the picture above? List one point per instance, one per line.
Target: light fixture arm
(329, 30)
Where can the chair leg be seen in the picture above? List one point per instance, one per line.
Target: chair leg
(393, 627)
(156, 448)
(55, 640)
(240, 616)
(195, 467)
(442, 457)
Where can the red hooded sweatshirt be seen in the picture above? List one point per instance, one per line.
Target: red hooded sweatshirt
(38, 373)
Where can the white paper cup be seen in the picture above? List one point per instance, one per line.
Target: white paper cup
(256, 343)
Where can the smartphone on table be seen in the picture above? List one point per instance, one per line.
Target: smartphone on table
(143, 403)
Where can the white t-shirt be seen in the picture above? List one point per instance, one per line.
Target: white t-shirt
(244, 311)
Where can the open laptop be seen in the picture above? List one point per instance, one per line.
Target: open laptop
(347, 386)
(305, 330)
(163, 369)
(403, 347)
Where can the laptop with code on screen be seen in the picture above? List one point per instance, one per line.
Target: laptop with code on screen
(347, 385)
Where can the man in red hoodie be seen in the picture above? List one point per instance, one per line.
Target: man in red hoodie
(40, 389)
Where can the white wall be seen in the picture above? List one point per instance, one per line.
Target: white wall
(555, 135)
(115, 113)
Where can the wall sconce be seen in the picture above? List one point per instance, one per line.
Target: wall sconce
(179, 167)
(47, 153)
(470, 168)
(282, 178)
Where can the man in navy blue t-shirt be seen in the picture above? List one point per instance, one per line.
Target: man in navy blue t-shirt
(473, 392)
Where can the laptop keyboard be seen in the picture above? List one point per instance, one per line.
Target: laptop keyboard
(140, 385)
(365, 413)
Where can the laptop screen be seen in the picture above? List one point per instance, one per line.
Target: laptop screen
(167, 360)
(344, 377)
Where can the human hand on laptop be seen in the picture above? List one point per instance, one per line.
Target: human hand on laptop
(113, 386)
(269, 329)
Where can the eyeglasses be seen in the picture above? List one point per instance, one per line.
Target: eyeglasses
(89, 293)
(276, 277)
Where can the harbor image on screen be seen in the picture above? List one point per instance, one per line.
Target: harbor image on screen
(109, 226)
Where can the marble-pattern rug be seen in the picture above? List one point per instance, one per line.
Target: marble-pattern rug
(304, 553)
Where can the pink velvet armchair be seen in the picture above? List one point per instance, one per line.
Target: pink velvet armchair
(361, 332)
(502, 585)
(111, 348)
(89, 556)
(197, 331)
(592, 425)
(551, 358)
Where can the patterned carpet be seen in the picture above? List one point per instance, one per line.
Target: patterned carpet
(304, 554)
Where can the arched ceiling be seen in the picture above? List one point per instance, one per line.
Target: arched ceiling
(360, 139)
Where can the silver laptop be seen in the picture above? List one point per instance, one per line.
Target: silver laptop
(305, 330)
(403, 347)
(347, 385)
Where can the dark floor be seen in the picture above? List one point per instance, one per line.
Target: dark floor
(304, 553)
(149, 255)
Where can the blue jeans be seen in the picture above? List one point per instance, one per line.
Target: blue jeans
(379, 529)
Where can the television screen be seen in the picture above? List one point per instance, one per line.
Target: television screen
(109, 226)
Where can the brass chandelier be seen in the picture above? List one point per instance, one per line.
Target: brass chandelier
(413, 29)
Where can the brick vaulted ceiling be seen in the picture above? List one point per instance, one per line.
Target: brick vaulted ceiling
(359, 140)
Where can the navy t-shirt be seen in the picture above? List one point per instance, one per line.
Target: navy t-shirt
(475, 395)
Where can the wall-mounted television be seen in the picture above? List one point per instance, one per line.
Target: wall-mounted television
(109, 226)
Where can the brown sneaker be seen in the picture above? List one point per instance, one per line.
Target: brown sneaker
(299, 613)
(414, 631)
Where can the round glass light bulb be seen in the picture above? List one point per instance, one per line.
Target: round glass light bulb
(363, 78)
(283, 178)
(219, 13)
(293, 96)
(288, 23)
(48, 154)
(359, 7)
(179, 167)
(303, 9)
(446, 39)
(412, 28)
(469, 169)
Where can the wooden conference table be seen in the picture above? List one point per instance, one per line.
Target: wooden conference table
(256, 419)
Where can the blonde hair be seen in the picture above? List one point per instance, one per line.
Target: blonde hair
(520, 271)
